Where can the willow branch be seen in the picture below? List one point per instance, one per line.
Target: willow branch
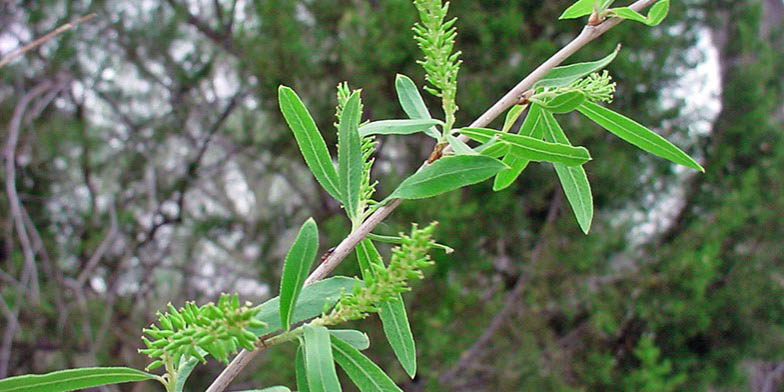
(588, 34)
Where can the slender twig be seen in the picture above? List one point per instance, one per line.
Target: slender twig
(588, 34)
(102, 248)
(30, 271)
(40, 41)
(8, 336)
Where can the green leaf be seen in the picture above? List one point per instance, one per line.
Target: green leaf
(655, 16)
(365, 374)
(309, 140)
(447, 174)
(295, 269)
(185, 369)
(356, 339)
(312, 301)
(531, 127)
(73, 379)
(350, 157)
(578, 9)
(568, 74)
(397, 329)
(532, 149)
(393, 313)
(566, 102)
(636, 134)
(658, 12)
(511, 116)
(319, 365)
(412, 103)
(396, 127)
(299, 366)
(459, 146)
(494, 149)
(573, 179)
(279, 388)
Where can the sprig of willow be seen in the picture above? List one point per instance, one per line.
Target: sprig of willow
(588, 34)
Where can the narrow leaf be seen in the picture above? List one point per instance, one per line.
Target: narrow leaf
(357, 339)
(412, 102)
(350, 156)
(568, 74)
(531, 127)
(636, 134)
(573, 179)
(578, 9)
(279, 388)
(565, 102)
(396, 127)
(393, 315)
(319, 364)
(313, 299)
(309, 140)
(494, 149)
(459, 146)
(532, 149)
(73, 379)
(185, 370)
(301, 372)
(655, 16)
(447, 174)
(512, 115)
(365, 374)
(397, 329)
(295, 269)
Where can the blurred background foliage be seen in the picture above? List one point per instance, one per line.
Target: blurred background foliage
(152, 165)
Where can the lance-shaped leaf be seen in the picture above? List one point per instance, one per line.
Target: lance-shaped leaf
(350, 156)
(511, 116)
(365, 374)
(278, 388)
(319, 363)
(532, 149)
(578, 9)
(301, 371)
(73, 379)
(573, 179)
(568, 74)
(460, 147)
(396, 127)
(397, 329)
(312, 301)
(636, 134)
(531, 127)
(413, 104)
(655, 16)
(309, 140)
(393, 315)
(566, 102)
(185, 370)
(447, 174)
(356, 339)
(295, 269)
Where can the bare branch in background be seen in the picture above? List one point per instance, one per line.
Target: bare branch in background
(40, 41)
(470, 356)
(30, 271)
